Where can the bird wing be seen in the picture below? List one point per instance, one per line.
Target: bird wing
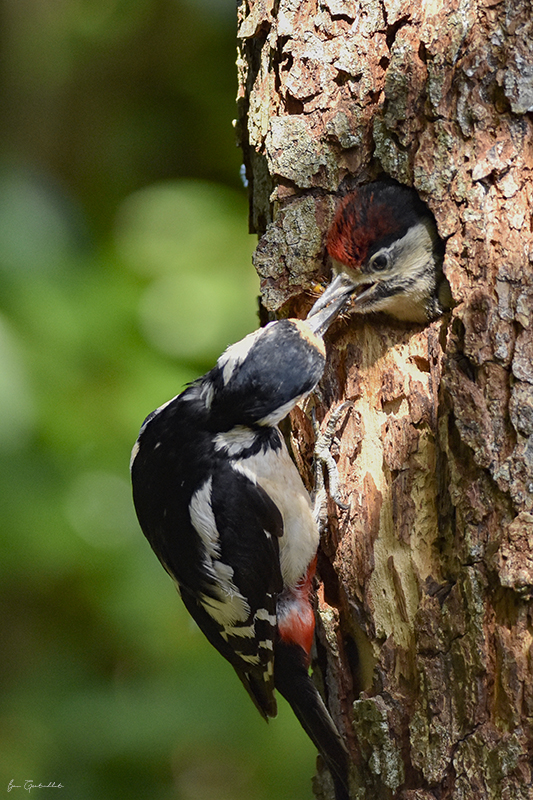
(216, 533)
(237, 609)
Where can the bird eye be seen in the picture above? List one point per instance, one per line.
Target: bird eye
(380, 262)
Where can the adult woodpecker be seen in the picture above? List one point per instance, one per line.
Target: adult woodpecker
(225, 510)
(387, 254)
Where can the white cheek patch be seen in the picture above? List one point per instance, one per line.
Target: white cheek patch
(413, 253)
(281, 412)
(234, 355)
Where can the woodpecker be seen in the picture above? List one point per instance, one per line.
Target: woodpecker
(387, 254)
(225, 510)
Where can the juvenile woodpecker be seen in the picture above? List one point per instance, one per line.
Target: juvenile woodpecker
(387, 254)
(225, 510)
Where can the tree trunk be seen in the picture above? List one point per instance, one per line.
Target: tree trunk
(426, 635)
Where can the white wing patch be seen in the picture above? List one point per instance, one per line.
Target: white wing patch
(246, 643)
(235, 440)
(250, 659)
(203, 519)
(243, 630)
(207, 393)
(229, 606)
(263, 614)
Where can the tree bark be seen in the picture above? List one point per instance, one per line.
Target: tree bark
(426, 634)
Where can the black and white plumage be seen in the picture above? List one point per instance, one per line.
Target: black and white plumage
(225, 510)
(387, 254)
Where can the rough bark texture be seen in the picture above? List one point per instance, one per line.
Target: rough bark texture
(426, 640)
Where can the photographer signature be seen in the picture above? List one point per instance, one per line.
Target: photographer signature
(29, 785)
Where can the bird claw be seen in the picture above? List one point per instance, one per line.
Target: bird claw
(324, 459)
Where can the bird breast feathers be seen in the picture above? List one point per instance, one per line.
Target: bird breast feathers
(275, 472)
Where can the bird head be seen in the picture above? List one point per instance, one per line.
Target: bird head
(387, 255)
(258, 380)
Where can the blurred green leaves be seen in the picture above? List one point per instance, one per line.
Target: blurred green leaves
(108, 686)
(17, 408)
(189, 237)
(98, 507)
(125, 270)
(113, 96)
(37, 233)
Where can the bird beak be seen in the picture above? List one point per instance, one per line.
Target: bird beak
(330, 303)
(361, 294)
(369, 292)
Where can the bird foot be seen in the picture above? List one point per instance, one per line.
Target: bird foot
(324, 462)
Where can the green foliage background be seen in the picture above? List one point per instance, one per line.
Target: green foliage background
(125, 270)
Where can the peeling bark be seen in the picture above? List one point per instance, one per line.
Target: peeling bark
(426, 634)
